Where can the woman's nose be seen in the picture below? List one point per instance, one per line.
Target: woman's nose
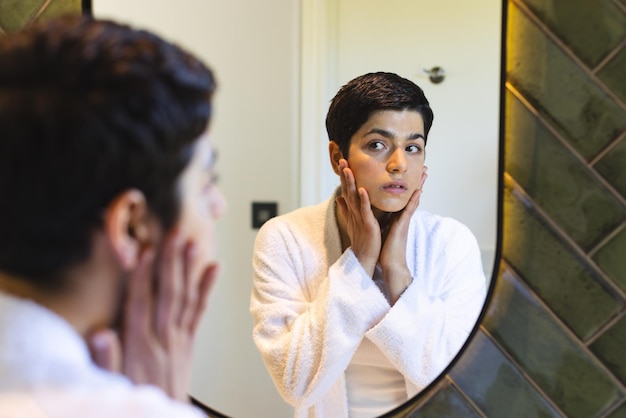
(397, 162)
(218, 203)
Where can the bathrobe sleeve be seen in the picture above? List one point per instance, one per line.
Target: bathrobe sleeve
(309, 318)
(433, 318)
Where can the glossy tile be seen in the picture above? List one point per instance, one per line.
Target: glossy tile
(60, 7)
(551, 357)
(619, 412)
(613, 75)
(565, 95)
(446, 403)
(613, 166)
(15, 14)
(564, 281)
(557, 181)
(495, 385)
(610, 349)
(591, 29)
(612, 259)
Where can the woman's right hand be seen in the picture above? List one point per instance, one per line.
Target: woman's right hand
(361, 224)
(159, 322)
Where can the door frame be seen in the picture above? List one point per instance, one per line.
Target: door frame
(318, 71)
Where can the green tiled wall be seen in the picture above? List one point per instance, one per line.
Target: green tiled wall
(552, 342)
(16, 14)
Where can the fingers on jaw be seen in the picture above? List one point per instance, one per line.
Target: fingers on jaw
(139, 301)
(205, 286)
(191, 286)
(170, 285)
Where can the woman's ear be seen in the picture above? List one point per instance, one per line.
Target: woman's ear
(128, 228)
(335, 154)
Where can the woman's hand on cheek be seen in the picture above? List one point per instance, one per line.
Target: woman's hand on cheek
(183, 289)
(159, 322)
(393, 254)
(361, 224)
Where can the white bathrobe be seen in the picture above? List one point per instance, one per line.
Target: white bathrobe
(312, 305)
(46, 372)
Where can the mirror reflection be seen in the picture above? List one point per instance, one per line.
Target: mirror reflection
(361, 301)
(256, 53)
(411, 38)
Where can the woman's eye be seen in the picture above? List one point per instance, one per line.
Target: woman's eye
(413, 148)
(210, 180)
(376, 145)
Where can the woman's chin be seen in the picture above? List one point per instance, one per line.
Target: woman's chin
(388, 207)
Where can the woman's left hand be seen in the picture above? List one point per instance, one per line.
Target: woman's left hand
(392, 260)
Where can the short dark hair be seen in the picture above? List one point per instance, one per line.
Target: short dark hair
(89, 109)
(356, 101)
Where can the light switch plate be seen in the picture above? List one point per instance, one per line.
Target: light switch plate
(262, 211)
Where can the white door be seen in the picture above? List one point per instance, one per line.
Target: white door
(408, 37)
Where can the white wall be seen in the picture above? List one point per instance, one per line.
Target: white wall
(352, 37)
(253, 46)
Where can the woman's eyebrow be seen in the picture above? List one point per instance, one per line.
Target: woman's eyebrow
(391, 135)
(382, 132)
(416, 136)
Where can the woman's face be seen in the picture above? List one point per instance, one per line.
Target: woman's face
(202, 203)
(387, 156)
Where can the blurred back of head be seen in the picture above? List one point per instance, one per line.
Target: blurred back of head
(89, 109)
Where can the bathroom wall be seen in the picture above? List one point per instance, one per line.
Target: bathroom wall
(253, 47)
(15, 14)
(553, 339)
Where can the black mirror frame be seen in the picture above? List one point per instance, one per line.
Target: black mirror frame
(412, 406)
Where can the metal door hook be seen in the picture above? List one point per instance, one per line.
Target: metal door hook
(436, 74)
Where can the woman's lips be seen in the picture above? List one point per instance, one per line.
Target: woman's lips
(395, 187)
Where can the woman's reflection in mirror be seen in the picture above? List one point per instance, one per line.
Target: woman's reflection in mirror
(361, 301)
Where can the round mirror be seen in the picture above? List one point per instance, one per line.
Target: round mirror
(278, 63)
